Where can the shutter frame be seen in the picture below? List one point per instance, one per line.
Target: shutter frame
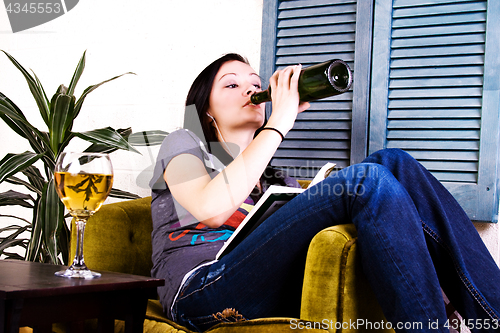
(361, 90)
(490, 127)
(268, 41)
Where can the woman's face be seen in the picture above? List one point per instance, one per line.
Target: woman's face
(230, 97)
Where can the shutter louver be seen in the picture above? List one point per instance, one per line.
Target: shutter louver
(309, 32)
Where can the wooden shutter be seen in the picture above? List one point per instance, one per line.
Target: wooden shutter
(435, 93)
(309, 32)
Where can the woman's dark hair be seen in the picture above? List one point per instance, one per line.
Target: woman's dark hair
(199, 96)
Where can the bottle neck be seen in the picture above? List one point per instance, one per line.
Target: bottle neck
(261, 96)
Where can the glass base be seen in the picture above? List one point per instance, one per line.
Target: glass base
(78, 274)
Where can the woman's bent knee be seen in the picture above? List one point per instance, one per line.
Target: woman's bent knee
(355, 179)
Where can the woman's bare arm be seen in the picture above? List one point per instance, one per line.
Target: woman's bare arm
(213, 201)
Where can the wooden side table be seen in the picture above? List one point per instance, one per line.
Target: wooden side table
(31, 295)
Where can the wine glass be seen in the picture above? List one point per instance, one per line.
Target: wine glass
(83, 181)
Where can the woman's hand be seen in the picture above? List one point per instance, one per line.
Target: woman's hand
(285, 98)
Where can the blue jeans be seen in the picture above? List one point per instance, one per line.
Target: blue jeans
(414, 239)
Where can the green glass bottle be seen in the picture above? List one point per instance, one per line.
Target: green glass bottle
(319, 81)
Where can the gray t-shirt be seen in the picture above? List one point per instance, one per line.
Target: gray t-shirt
(180, 242)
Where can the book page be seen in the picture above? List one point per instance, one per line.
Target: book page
(323, 173)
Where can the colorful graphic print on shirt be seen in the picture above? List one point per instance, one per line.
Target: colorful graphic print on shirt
(214, 235)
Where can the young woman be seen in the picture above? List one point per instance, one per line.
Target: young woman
(413, 236)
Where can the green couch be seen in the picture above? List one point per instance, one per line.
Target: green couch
(335, 292)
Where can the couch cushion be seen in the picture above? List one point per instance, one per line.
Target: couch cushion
(335, 289)
(118, 238)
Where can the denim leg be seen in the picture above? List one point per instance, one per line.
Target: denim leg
(399, 210)
(262, 277)
(467, 272)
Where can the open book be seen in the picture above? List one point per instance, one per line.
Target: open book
(274, 198)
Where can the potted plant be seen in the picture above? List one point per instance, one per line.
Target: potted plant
(49, 232)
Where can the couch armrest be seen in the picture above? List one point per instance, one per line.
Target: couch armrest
(118, 238)
(335, 288)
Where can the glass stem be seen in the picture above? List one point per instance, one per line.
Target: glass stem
(78, 262)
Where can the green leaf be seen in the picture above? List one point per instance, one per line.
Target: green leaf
(36, 240)
(64, 237)
(17, 230)
(147, 138)
(11, 240)
(12, 256)
(13, 198)
(99, 148)
(5, 244)
(16, 126)
(61, 118)
(40, 87)
(16, 181)
(51, 217)
(76, 76)
(18, 122)
(37, 93)
(68, 137)
(61, 90)
(116, 193)
(11, 164)
(35, 177)
(12, 227)
(89, 89)
(14, 217)
(106, 136)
